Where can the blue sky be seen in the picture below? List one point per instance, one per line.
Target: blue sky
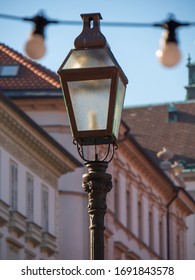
(134, 48)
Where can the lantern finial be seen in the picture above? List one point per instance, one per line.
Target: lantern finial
(91, 36)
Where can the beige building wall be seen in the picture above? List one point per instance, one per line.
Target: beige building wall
(189, 178)
(30, 165)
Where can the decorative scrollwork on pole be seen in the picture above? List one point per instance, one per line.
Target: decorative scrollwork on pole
(97, 183)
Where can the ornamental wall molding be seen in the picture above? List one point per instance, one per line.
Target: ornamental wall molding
(41, 104)
(118, 163)
(184, 206)
(131, 237)
(144, 167)
(142, 188)
(57, 128)
(178, 220)
(31, 144)
(27, 160)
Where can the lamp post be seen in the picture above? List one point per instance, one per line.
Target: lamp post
(94, 87)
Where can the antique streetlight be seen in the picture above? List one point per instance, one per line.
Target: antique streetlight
(94, 89)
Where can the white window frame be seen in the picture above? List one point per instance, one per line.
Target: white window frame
(140, 219)
(151, 229)
(13, 185)
(29, 197)
(161, 238)
(128, 208)
(116, 198)
(45, 208)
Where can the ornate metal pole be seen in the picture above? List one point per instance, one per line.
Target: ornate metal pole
(97, 183)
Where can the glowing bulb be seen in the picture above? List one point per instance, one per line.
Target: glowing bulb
(169, 55)
(35, 46)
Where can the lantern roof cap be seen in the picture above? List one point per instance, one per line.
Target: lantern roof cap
(91, 35)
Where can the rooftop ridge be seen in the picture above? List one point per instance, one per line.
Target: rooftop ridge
(30, 65)
(158, 104)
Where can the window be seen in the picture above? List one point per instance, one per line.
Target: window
(45, 209)
(140, 232)
(116, 198)
(29, 197)
(13, 185)
(161, 239)
(9, 70)
(151, 234)
(128, 209)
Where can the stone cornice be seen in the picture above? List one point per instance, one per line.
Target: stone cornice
(144, 167)
(25, 142)
(185, 204)
(41, 103)
(57, 128)
(156, 180)
(35, 141)
(25, 158)
(135, 179)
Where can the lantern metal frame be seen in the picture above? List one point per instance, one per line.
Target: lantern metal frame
(96, 136)
(91, 38)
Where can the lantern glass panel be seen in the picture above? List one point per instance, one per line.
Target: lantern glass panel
(90, 102)
(88, 59)
(120, 95)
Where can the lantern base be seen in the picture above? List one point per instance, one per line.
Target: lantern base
(91, 141)
(107, 157)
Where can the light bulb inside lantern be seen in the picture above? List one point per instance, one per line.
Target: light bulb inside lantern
(169, 55)
(35, 46)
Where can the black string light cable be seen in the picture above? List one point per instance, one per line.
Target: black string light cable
(169, 54)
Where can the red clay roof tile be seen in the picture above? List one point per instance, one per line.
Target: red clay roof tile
(31, 76)
(153, 131)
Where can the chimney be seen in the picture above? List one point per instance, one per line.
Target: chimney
(172, 113)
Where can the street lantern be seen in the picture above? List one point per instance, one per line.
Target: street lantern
(94, 89)
(93, 85)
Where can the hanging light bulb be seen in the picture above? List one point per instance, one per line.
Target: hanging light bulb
(169, 54)
(35, 46)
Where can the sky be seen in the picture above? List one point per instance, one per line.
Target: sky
(134, 48)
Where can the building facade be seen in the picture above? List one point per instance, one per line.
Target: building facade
(30, 164)
(171, 126)
(146, 209)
